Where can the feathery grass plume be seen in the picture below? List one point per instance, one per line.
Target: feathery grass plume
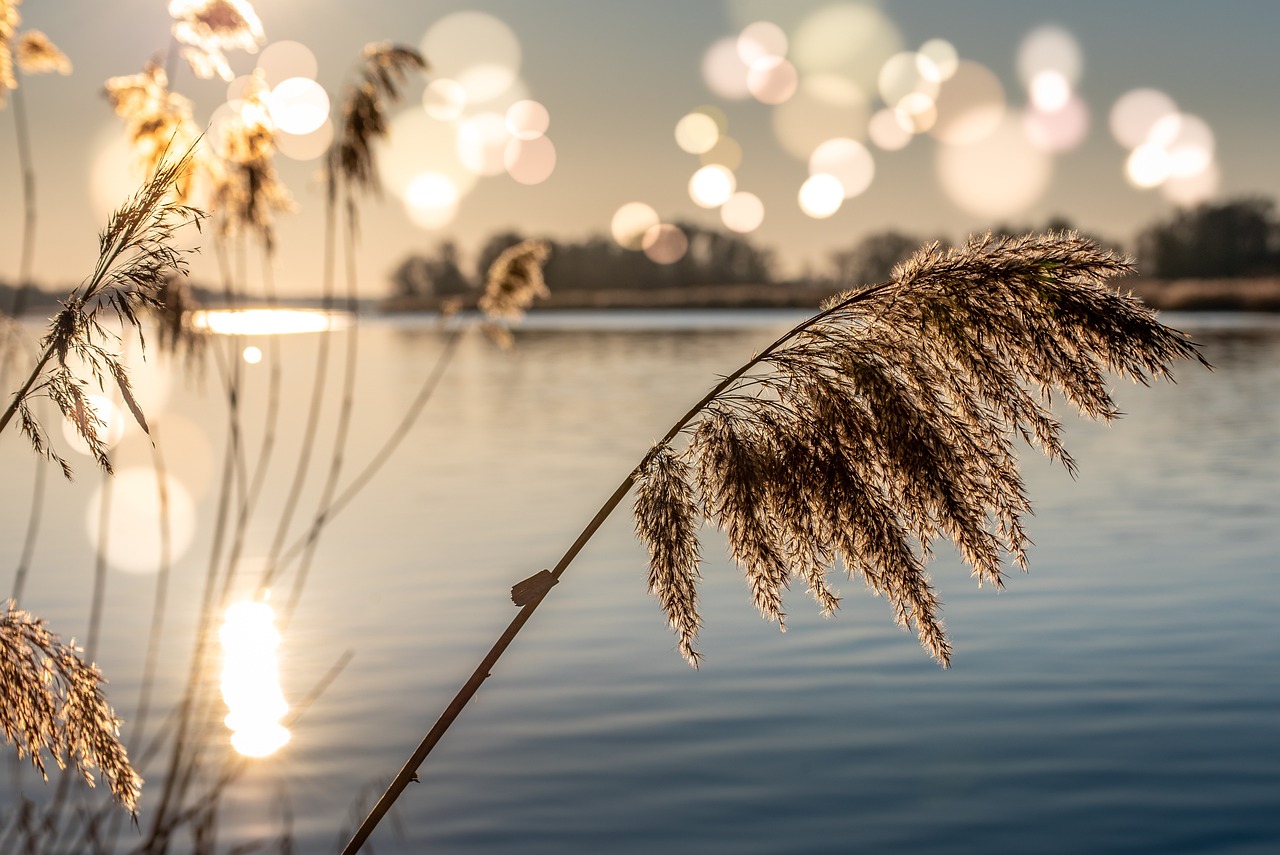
(514, 281)
(157, 121)
(246, 188)
(870, 430)
(206, 28)
(176, 305)
(667, 520)
(51, 701)
(136, 256)
(385, 70)
(886, 422)
(9, 20)
(38, 55)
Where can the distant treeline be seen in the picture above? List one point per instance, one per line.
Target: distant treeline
(1237, 238)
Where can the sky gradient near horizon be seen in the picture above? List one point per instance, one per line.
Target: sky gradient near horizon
(617, 77)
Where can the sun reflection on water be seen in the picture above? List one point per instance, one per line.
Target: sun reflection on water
(251, 679)
(268, 321)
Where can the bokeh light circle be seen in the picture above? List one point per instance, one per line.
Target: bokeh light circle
(846, 159)
(133, 539)
(1049, 48)
(760, 40)
(824, 107)
(999, 176)
(937, 59)
(527, 119)
(475, 49)
(665, 244)
(444, 99)
(886, 132)
(415, 145)
(1136, 112)
(772, 80)
(298, 105)
(821, 195)
(711, 186)
(697, 132)
(530, 161)
(306, 146)
(431, 200)
(970, 105)
(744, 212)
(723, 70)
(630, 223)
(849, 39)
(727, 152)
(482, 143)
(284, 59)
(1061, 130)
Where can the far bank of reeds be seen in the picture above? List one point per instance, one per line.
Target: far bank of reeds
(1244, 294)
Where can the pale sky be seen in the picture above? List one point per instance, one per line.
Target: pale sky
(616, 77)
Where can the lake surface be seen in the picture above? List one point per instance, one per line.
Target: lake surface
(1122, 697)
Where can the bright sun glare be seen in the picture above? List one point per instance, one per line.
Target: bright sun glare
(251, 679)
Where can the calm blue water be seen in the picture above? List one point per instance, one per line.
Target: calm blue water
(1122, 697)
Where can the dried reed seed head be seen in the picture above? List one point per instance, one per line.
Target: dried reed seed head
(515, 279)
(667, 522)
(9, 20)
(247, 190)
(52, 704)
(157, 121)
(384, 70)
(887, 421)
(38, 55)
(207, 28)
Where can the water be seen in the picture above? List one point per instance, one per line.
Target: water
(1120, 698)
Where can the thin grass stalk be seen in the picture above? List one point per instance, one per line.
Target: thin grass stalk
(409, 770)
(375, 464)
(38, 490)
(307, 445)
(345, 409)
(26, 163)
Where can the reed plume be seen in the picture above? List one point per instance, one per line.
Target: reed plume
(384, 71)
(136, 256)
(51, 703)
(208, 28)
(157, 121)
(246, 188)
(869, 431)
(887, 423)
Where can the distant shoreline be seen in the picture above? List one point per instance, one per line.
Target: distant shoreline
(1183, 295)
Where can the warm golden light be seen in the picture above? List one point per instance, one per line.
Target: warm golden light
(711, 186)
(744, 212)
(772, 80)
(759, 40)
(665, 244)
(631, 222)
(530, 161)
(477, 50)
(444, 99)
(298, 105)
(527, 119)
(251, 679)
(111, 428)
(846, 159)
(268, 321)
(252, 355)
(998, 176)
(697, 132)
(821, 195)
(825, 106)
(133, 539)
